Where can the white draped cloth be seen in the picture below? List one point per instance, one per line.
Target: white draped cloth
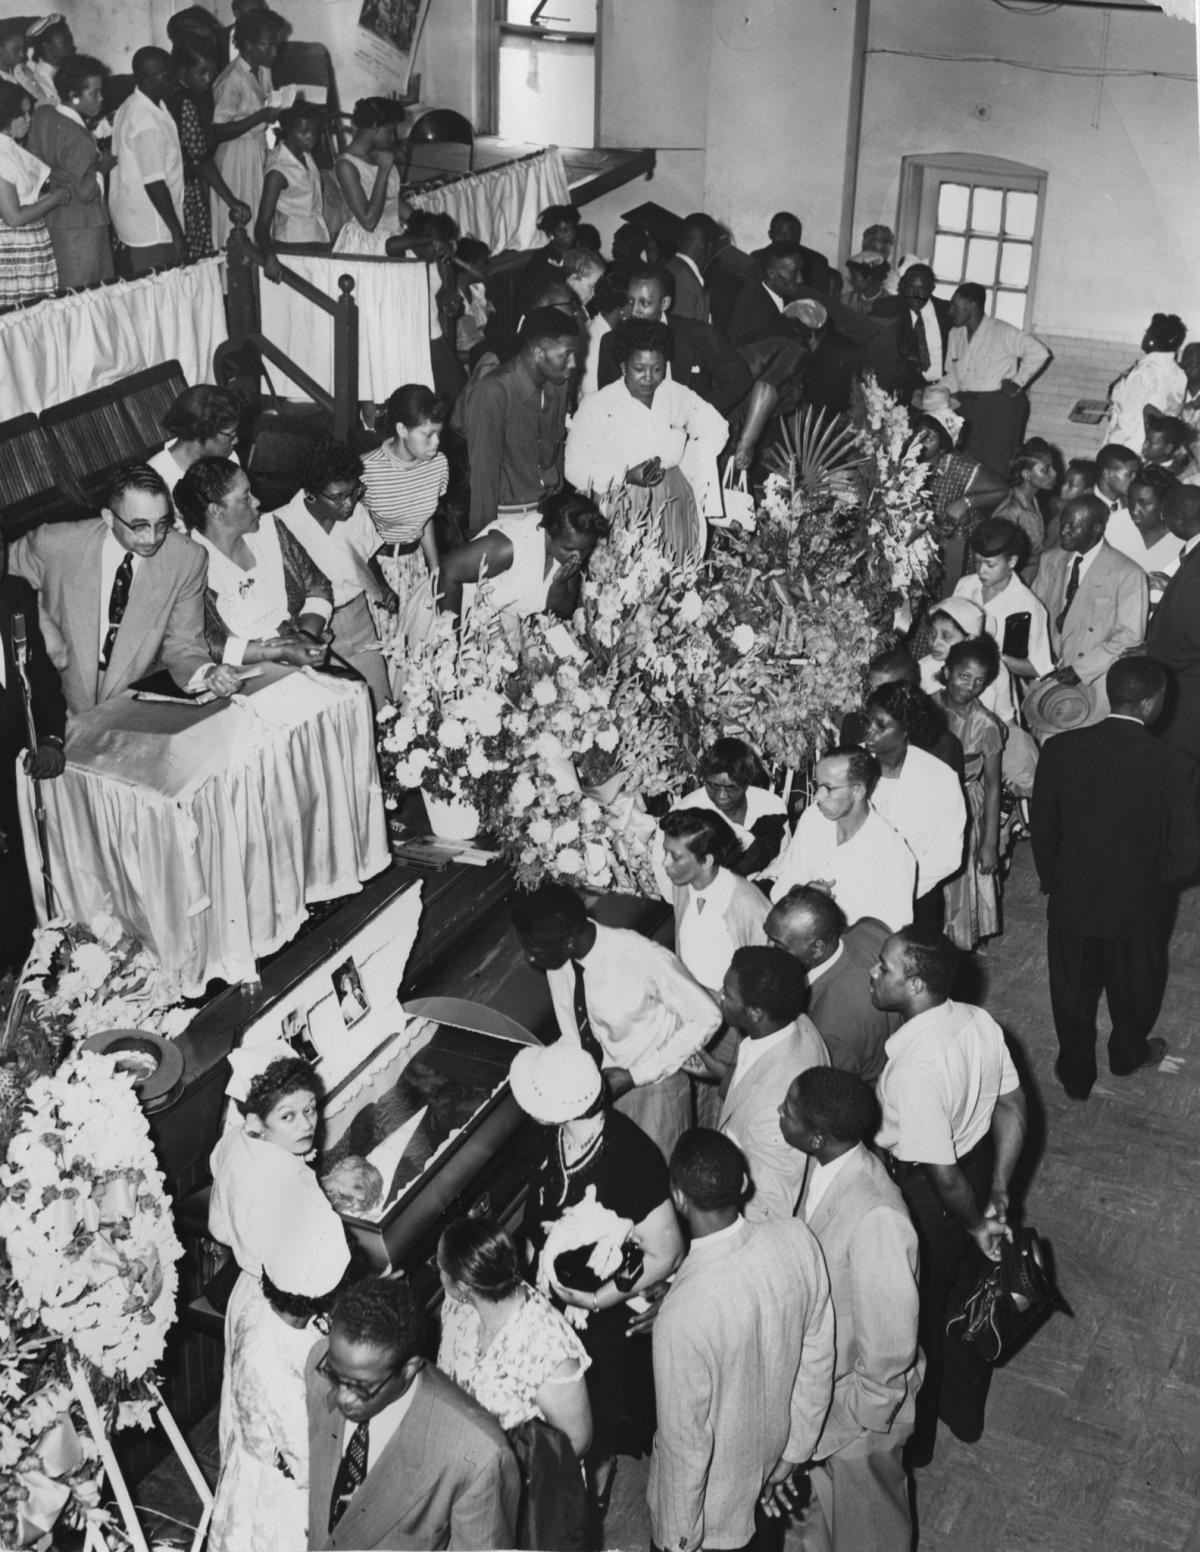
(393, 322)
(207, 831)
(71, 345)
(501, 206)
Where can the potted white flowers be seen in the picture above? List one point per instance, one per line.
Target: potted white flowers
(449, 735)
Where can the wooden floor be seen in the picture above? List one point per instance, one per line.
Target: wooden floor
(1093, 1434)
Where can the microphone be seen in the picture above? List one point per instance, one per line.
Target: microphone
(19, 641)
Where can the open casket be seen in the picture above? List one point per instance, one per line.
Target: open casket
(417, 1114)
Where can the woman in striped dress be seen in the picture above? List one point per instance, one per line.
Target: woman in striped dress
(405, 479)
(27, 267)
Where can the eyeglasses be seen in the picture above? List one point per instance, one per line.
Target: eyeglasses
(724, 786)
(346, 498)
(833, 786)
(147, 530)
(355, 1387)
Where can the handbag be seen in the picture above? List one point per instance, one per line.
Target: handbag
(737, 498)
(1012, 1296)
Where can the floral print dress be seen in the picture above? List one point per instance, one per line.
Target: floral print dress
(521, 1358)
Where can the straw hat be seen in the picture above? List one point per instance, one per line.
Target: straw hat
(554, 1083)
(1053, 707)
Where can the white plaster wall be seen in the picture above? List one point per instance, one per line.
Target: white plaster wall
(1121, 225)
(778, 86)
(447, 55)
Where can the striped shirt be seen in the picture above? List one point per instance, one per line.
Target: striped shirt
(402, 496)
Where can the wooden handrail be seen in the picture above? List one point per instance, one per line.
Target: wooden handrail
(245, 319)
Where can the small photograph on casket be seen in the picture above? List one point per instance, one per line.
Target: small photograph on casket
(351, 998)
(406, 1114)
(295, 1034)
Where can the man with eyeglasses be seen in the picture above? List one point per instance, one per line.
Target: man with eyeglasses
(122, 595)
(841, 845)
(399, 1456)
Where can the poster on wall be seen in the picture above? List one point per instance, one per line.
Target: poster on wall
(388, 34)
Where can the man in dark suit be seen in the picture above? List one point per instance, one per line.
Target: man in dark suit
(807, 924)
(1114, 831)
(1173, 635)
(758, 311)
(814, 266)
(399, 1456)
(923, 329)
(698, 242)
(701, 358)
(18, 601)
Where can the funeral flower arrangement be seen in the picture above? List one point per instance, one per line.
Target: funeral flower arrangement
(85, 1220)
(80, 981)
(90, 1281)
(449, 732)
(569, 724)
(902, 551)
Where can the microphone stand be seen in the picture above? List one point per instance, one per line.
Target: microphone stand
(21, 655)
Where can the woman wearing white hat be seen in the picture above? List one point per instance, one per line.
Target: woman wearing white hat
(265, 1196)
(597, 1163)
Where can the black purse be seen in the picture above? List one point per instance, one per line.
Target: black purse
(1012, 1297)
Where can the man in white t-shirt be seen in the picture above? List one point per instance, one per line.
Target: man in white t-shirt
(953, 1126)
(841, 845)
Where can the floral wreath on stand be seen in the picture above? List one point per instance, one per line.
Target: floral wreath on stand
(92, 1249)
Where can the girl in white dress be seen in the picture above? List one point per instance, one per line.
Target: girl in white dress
(241, 113)
(262, 1491)
(367, 176)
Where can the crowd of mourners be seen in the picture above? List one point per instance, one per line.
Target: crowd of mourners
(766, 1164)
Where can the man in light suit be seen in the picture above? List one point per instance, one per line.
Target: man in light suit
(399, 1456)
(743, 1361)
(124, 595)
(1097, 600)
(763, 997)
(1174, 633)
(870, 1249)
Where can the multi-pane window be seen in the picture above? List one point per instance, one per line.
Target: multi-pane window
(975, 218)
(985, 234)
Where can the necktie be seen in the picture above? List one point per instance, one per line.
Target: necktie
(350, 1473)
(117, 600)
(1072, 589)
(922, 342)
(583, 1020)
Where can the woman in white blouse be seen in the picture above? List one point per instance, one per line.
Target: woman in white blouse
(202, 423)
(716, 913)
(266, 600)
(919, 797)
(648, 432)
(734, 784)
(327, 517)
